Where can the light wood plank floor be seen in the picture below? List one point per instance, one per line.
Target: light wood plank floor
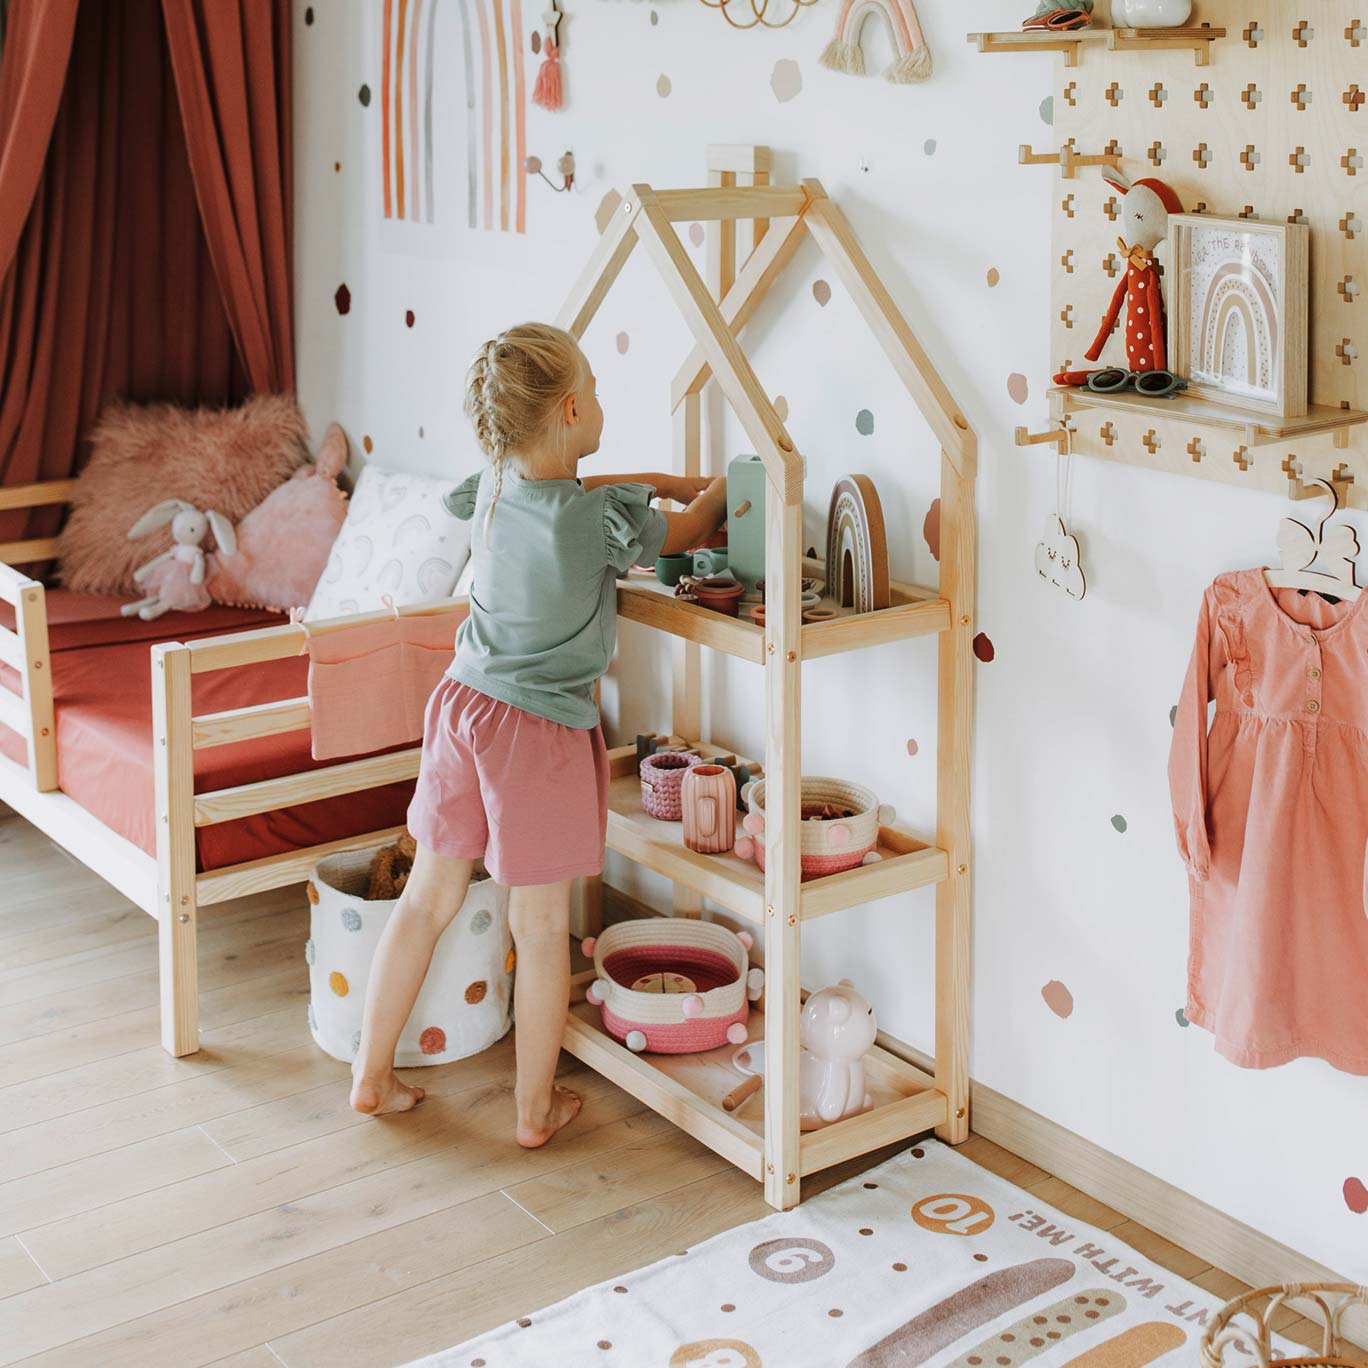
(229, 1208)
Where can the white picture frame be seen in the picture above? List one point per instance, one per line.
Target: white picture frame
(1238, 311)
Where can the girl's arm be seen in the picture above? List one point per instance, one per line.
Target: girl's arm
(704, 515)
(681, 488)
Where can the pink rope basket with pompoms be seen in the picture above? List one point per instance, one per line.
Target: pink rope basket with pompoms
(826, 845)
(713, 960)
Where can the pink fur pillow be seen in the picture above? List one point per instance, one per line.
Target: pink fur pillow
(227, 459)
(283, 543)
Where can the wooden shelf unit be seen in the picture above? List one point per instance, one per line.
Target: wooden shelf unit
(1254, 427)
(755, 230)
(1198, 38)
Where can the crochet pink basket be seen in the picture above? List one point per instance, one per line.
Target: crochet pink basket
(662, 778)
(673, 985)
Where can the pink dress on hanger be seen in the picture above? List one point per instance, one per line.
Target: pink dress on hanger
(1271, 809)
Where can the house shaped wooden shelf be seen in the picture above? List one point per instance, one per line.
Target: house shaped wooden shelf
(688, 1089)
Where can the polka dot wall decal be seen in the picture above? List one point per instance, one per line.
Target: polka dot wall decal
(536, 41)
(983, 648)
(786, 80)
(421, 434)
(1018, 387)
(623, 342)
(994, 275)
(432, 1041)
(912, 747)
(476, 992)
(1180, 1017)
(929, 147)
(351, 919)
(364, 95)
(1047, 110)
(931, 529)
(337, 166)
(342, 299)
(821, 292)
(696, 234)
(605, 1344)
(309, 15)
(781, 407)
(663, 87)
(338, 983)
(1173, 715)
(1119, 822)
(655, 18)
(1355, 1196)
(619, 1288)
(368, 444)
(408, 318)
(1058, 998)
(864, 423)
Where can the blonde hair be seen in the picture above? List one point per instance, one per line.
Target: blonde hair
(514, 389)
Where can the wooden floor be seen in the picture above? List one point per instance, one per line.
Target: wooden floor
(229, 1208)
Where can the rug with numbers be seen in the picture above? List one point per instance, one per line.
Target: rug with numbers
(927, 1260)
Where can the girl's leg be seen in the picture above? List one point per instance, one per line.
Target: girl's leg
(433, 895)
(540, 920)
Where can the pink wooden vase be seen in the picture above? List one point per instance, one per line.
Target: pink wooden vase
(708, 800)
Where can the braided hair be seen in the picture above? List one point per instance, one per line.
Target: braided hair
(514, 388)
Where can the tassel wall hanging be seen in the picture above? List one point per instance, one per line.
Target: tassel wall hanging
(548, 92)
(843, 53)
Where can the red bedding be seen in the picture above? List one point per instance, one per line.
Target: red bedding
(104, 746)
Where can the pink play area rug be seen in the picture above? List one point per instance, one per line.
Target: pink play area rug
(925, 1260)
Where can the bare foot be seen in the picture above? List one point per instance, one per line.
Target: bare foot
(385, 1097)
(565, 1107)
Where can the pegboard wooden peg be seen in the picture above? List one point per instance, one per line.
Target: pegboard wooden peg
(1068, 161)
(1055, 437)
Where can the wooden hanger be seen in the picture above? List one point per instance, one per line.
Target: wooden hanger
(1300, 547)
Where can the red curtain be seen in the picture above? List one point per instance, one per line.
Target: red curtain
(232, 65)
(143, 252)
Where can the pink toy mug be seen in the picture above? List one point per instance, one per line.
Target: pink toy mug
(708, 801)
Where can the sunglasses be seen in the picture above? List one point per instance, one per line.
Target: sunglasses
(1155, 383)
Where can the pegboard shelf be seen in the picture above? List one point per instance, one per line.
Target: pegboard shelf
(1255, 428)
(1198, 38)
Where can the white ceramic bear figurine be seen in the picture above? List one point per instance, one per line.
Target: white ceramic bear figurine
(836, 1029)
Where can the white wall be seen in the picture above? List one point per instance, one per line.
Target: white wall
(1072, 716)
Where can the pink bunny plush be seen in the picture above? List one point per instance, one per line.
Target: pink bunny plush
(283, 543)
(175, 579)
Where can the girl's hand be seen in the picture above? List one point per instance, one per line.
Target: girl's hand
(683, 489)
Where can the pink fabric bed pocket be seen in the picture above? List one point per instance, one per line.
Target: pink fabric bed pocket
(369, 686)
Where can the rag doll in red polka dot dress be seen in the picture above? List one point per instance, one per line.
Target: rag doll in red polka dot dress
(1147, 208)
(1148, 204)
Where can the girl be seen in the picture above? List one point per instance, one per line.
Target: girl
(513, 765)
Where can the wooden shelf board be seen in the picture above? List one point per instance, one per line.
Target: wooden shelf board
(915, 611)
(688, 1091)
(1198, 37)
(739, 885)
(1255, 428)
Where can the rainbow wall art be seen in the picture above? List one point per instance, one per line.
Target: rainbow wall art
(496, 102)
(406, 86)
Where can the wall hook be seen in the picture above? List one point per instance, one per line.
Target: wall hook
(565, 165)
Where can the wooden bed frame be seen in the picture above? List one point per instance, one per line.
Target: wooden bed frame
(168, 886)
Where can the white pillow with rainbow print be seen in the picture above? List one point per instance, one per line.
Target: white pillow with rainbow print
(398, 541)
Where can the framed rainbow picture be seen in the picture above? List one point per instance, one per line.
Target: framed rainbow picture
(1238, 311)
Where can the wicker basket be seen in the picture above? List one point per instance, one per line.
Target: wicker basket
(827, 845)
(713, 959)
(1244, 1320)
(662, 778)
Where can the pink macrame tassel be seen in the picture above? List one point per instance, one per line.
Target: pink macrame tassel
(547, 92)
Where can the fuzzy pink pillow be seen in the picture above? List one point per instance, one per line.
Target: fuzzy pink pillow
(227, 459)
(283, 543)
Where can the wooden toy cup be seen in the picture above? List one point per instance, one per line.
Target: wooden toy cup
(708, 802)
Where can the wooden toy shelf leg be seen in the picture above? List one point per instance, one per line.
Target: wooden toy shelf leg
(955, 755)
(783, 771)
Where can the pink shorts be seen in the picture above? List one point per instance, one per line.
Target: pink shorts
(528, 795)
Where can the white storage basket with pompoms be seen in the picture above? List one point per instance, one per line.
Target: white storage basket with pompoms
(463, 1007)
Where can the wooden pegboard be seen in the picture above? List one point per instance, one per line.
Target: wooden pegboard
(1276, 127)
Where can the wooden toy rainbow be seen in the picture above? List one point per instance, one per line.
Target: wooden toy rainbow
(843, 53)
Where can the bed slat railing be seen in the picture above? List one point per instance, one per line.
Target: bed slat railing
(246, 724)
(29, 714)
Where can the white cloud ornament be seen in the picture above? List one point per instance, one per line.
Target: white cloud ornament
(1058, 561)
